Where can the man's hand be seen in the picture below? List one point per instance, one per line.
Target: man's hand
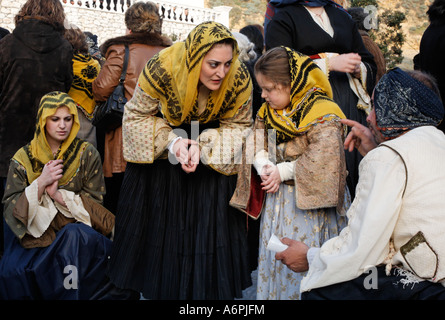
(360, 137)
(294, 257)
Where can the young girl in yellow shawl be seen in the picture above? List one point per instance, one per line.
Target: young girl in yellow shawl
(302, 173)
(176, 235)
(57, 241)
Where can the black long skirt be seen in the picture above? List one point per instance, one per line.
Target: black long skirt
(177, 237)
(347, 100)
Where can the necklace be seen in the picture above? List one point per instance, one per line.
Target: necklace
(319, 14)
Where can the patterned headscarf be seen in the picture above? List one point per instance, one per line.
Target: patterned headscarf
(37, 153)
(311, 100)
(402, 103)
(172, 76)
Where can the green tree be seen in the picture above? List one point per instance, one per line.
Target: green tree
(389, 35)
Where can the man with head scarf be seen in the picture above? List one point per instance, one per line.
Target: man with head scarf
(393, 246)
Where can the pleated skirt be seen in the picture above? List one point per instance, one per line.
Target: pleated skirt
(177, 237)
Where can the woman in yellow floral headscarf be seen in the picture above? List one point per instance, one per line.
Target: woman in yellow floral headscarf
(176, 236)
(53, 182)
(304, 187)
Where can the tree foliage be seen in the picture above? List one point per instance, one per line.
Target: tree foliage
(388, 35)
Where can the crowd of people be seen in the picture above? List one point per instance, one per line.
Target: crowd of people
(293, 132)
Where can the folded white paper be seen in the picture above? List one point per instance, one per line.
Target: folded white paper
(275, 244)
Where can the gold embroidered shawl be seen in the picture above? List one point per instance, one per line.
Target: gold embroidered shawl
(85, 70)
(37, 153)
(311, 100)
(172, 76)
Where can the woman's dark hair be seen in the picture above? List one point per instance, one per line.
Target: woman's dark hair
(436, 12)
(78, 40)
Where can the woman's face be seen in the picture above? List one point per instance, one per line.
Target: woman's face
(58, 126)
(215, 65)
(276, 95)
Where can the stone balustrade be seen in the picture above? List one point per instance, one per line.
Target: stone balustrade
(105, 18)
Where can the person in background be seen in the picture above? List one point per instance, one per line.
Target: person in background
(432, 47)
(144, 40)
(305, 190)
(85, 71)
(255, 34)
(58, 233)
(323, 30)
(3, 32)
(388, 251)
(34, 59)
(256, 37)
(176, 235)
(93, 48)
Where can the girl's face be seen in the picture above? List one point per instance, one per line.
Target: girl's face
(215, 65)
(58, 126)
(276, 95)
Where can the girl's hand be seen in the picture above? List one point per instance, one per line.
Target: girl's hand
(271, 178)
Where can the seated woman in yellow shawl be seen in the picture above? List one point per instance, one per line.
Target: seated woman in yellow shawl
(176, 235)
(300, 173)
(57, 240)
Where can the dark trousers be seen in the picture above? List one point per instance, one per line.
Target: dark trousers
(390, 287)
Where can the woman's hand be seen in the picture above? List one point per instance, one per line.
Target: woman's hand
(52, 188)
(52, 172)
(347, 62)
(181, 150)
(271, 178)
(193, 158)
(49, 178)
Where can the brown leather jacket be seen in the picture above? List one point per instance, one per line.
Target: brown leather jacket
(142, 46)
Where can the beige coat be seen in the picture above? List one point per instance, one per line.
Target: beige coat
(319, 171)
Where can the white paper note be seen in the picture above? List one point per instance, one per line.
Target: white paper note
(275, 244)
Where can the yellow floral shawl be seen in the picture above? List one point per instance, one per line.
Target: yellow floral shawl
(85, 70)
(311, 100)
(172, 76)
(37, 153)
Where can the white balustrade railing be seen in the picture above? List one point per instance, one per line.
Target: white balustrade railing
(169, 11)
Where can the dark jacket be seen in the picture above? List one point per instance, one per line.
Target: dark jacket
(292, 26)
(432, 50)
(34, 60)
